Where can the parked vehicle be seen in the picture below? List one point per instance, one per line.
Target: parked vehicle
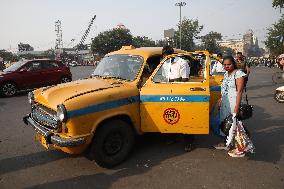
(30, 74)
(278, 78)
(279, 94)
(128, 94)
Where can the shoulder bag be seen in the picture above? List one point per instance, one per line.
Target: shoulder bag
(246, 110)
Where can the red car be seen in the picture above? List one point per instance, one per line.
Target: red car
(30, 74)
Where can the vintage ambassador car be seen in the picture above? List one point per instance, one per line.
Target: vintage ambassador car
(129, 93)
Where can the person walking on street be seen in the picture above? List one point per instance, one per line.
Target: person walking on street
(231, 94)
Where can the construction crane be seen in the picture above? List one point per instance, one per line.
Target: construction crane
(85, 35)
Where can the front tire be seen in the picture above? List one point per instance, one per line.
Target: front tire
(112, 143)
(65, 79)
(279, 96)
(8, 89)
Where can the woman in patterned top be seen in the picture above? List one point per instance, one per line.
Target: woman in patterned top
(231, 93)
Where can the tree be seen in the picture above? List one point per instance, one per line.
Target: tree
(209, 41)
(81, 47)
(111, 40)
(142, 41)
(275, 37)
(25, 47)
(7, 56)
(278, 4)
(190, 30)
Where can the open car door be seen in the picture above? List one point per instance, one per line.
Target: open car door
(177, 107)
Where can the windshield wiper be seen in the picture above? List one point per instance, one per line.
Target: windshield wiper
(97, 76)
(114, 77)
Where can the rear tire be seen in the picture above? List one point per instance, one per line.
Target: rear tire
(112, 143)
(8, 89)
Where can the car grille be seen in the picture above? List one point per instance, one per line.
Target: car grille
(45, 116)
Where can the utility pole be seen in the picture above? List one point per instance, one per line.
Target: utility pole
(180, 4)
(58, 42)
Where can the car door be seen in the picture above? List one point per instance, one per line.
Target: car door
(51, 72)
(216, 79)
(175, 107)
(30, 74)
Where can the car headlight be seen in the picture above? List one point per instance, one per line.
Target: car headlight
(31, 97)
(61, 113)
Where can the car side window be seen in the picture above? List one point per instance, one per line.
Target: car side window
(50, 65)
(151, 64)
(32, 66)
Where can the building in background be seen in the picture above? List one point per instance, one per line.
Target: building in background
(236, 44)
(248, 45)
(120, 26)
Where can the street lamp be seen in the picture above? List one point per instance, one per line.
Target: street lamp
(180, 4)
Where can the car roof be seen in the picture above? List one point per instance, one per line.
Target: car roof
(47, 59)
(142, 51)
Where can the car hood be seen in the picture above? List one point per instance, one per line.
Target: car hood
(54, 95)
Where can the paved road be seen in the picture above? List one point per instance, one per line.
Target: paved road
(154, 163)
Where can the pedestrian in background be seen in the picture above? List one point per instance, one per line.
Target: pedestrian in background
(242, 65)
(280, 60)
(218, 66)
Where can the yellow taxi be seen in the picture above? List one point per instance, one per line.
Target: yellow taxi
(129, 93)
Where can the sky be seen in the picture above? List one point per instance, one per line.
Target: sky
(33, 21)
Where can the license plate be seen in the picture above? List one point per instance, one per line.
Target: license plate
(41, 140)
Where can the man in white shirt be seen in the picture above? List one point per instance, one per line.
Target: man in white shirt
(179, 70)
(218, 66)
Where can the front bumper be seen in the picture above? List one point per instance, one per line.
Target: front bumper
(50, 137)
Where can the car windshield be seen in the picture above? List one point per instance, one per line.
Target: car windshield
(14, 66)
(125, 67)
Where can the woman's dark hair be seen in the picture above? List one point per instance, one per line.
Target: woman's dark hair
(231, 59)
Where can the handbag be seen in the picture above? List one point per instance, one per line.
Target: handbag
(246, 110)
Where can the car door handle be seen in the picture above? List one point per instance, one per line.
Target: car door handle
(198, 89)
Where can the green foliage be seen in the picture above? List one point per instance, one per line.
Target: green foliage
(209, 42)
(8, 56)
(81, 47)
(25, 47)
(111, 40)
(275, 37)
(190, 30)
(142, 42)
(278, 3)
